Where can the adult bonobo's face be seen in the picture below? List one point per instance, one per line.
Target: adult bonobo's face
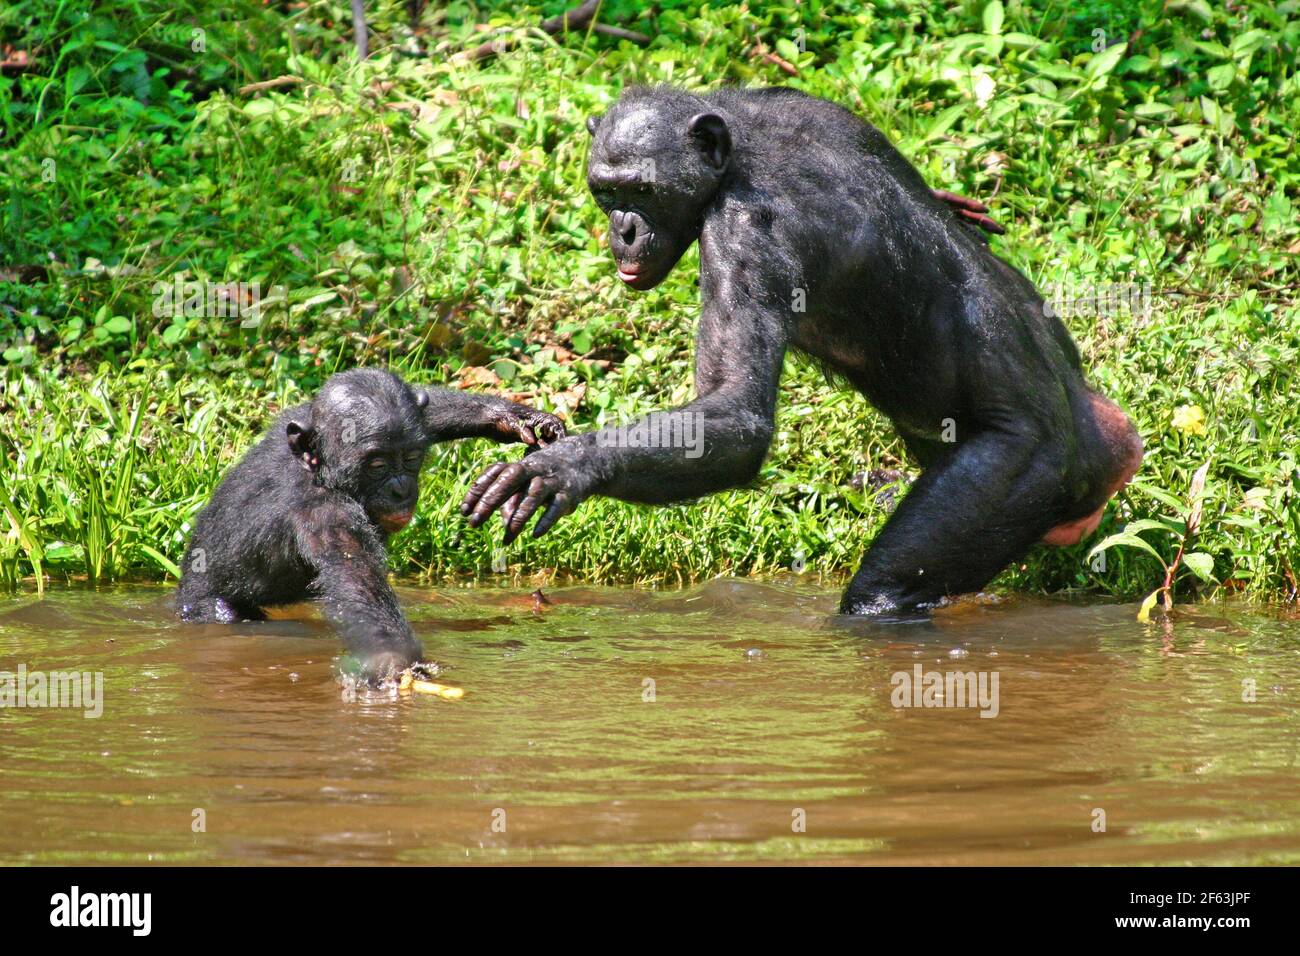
(365, 438)
(656, 160)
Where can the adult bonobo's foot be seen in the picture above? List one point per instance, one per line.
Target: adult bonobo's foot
(215, 610)
(972, 210)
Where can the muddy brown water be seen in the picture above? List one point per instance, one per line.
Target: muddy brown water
(733, 722)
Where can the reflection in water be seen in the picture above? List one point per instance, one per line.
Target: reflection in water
(737, 721)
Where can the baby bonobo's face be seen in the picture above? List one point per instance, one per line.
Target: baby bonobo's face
(371, 439)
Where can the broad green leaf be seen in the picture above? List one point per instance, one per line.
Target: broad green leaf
(943, 122)
(1197, 8)
(1153, 110)
(1201, 564)
(787, 50)
(1220, 77)
(1022, 41)
(1154, 524)
(1105, 61)
(1123, 539)
(993, 15)
(1159, 494)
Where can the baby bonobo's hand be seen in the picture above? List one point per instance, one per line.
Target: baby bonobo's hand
(528, 425)
(380, 668)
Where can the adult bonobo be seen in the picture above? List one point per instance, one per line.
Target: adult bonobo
(308, 510)
(816, 233)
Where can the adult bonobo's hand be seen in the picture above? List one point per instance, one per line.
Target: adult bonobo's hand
(528, 425)
(552, 480)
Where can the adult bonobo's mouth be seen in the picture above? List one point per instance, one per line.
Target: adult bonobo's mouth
(394, 521)
(638, 276)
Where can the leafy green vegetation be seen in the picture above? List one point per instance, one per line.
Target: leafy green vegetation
(428, 211)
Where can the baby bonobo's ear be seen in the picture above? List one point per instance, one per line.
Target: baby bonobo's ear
(302, 443)
(421, 398)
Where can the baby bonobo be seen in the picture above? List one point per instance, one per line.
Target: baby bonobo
(307, 512)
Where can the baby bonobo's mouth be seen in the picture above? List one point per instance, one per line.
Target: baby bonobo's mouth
(394, 521)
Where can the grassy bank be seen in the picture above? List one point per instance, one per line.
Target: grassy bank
(429, 213)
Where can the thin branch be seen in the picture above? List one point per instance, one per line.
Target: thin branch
(270, 84)
(576, 19)
(619, 33)
(763, 53)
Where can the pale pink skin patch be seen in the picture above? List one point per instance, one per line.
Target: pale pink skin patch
(1114, 423)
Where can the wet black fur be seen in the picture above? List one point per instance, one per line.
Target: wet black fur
(787, 192)
(297, 518)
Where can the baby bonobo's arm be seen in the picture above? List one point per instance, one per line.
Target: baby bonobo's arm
(351, 584)
(451, 414)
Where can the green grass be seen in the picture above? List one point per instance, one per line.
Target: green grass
(432, 215)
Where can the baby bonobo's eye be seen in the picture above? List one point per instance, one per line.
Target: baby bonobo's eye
(375, 464)
(413, 459)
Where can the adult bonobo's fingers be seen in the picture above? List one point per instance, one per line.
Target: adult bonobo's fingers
(481, 485)
(525, 433)
(561, 506)
(509, 507)
(969, 209)
(538, 492)
(506, 484)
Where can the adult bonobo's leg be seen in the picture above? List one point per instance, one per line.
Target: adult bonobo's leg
(1113, 452)
(963, 520)
(983, 504)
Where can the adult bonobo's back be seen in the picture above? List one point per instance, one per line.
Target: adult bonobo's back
(816, 233)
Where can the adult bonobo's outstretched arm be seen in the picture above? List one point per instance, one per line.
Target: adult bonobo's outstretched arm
(715, 442)
(718, 440)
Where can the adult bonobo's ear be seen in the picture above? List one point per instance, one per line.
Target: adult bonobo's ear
(709, 130)
(302, 443)
(593, 123)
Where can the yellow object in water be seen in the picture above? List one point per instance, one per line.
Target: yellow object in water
(445, 691)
